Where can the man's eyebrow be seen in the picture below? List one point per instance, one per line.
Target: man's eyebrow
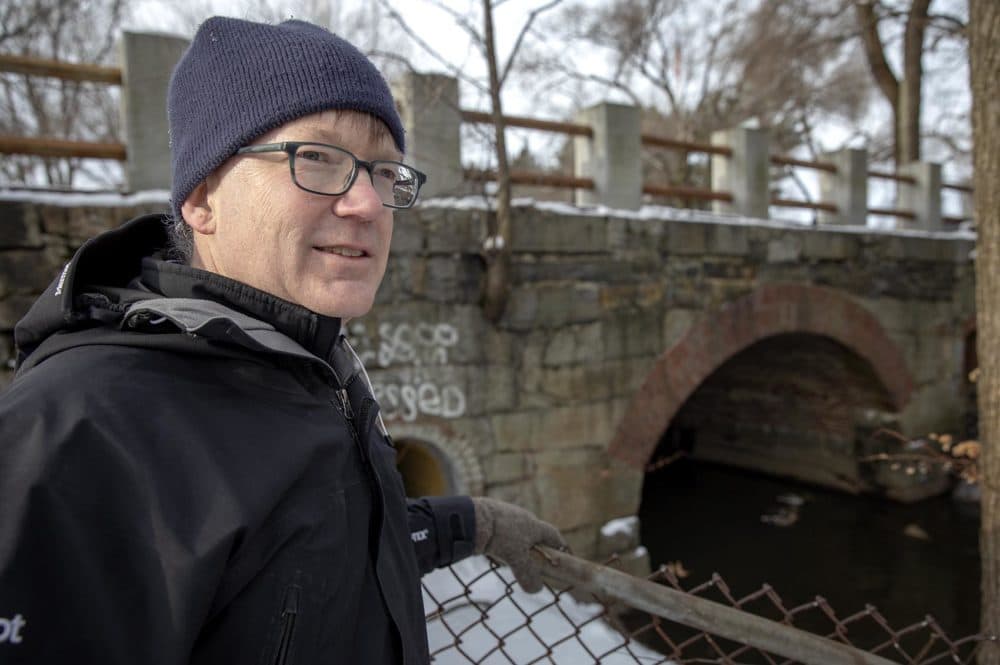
(384, 149)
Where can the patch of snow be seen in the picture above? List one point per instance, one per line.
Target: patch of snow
(657, 212)
(475, 604)
(626, 526)
(96, 199)
(479, 202)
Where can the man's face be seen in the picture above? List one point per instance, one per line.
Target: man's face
(326, 253)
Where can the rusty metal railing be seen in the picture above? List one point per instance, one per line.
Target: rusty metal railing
(594, 613)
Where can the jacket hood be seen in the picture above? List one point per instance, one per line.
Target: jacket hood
(117, 284)
(112, 259)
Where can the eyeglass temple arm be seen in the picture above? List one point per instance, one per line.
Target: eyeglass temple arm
(263, 147)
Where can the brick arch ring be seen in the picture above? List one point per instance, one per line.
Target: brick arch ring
(772, 309)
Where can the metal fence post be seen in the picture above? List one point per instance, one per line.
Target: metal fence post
(147, 63)
(429, 109)
(847, 188)
(612, 158)
(923, 197)
(745, 173)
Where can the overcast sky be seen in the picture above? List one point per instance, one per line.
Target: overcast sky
(365, 23)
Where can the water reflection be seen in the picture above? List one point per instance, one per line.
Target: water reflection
(907, 560)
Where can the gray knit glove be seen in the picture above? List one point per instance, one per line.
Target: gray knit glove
(506, 532)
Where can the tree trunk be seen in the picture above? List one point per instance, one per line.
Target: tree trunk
(498, 252)
(908, 111)
(902, 94)
(984, 55)
(878, 64)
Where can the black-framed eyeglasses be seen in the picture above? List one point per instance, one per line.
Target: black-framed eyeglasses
(326, 169)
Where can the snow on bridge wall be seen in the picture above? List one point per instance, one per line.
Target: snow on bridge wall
(614, 319)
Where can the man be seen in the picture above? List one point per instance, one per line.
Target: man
(192, 466)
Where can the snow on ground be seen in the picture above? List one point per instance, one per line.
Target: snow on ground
(682, 215)
(482, 203)
(478, 607)
(624, 526)
(95, 199)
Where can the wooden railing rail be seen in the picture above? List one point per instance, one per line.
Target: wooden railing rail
(783, 160)
(889, 175)
(892, 212)
(67, 71)
(686, 192)
(573, 129)
(50, 147)
(60, 148)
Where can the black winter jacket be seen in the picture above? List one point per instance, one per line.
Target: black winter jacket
(193, 471)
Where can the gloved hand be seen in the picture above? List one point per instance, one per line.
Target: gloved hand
(507, 532)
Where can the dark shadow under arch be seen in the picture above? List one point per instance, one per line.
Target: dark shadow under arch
(772, 309)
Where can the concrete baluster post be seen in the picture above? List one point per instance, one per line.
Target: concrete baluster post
(430, 111)
(847, 188)
(147, 63)
(966, 210)
(745, 174)
(612, 158)
(922, 197)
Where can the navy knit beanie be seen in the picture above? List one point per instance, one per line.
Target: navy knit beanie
(241, 79)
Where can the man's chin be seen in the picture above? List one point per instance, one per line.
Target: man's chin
(340, 309)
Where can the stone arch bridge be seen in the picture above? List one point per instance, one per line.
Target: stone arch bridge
(627, 336)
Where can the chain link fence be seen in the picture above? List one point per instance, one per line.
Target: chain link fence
(591, 613)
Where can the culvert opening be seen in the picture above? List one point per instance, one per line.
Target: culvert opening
(765, 439)
(425, 471)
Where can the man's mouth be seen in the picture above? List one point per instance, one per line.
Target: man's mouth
(343, 251)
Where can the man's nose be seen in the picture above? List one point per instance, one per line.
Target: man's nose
(360, 199)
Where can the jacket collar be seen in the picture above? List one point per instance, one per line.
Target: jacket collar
(316, 333)
(117, 268)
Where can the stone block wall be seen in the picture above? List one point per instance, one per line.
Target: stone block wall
(36, 240)
(559, 405)
(596, 301)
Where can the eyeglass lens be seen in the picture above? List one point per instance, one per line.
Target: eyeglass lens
(327, 169)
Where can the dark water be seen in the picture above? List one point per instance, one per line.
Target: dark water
(852, 550)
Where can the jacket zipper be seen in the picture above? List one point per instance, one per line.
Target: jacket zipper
(289, 613)
(344, 406)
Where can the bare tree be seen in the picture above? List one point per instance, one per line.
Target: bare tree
(33, 106)
(699, 67)
(496, 248)
(984, 56)
(921, 30)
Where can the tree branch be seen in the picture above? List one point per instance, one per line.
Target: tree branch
(875, 52)
(456, 71)
(520, 37)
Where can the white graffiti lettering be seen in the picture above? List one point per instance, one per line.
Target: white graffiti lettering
(407, 401)
(405, 343)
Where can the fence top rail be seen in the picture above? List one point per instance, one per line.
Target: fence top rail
(67, 71)
(703, 614)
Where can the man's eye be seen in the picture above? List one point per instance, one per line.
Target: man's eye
(314, 156)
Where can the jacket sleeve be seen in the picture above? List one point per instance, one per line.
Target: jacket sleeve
(91, 570)
(443, 530)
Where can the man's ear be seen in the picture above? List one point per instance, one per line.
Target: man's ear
(197, 211)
